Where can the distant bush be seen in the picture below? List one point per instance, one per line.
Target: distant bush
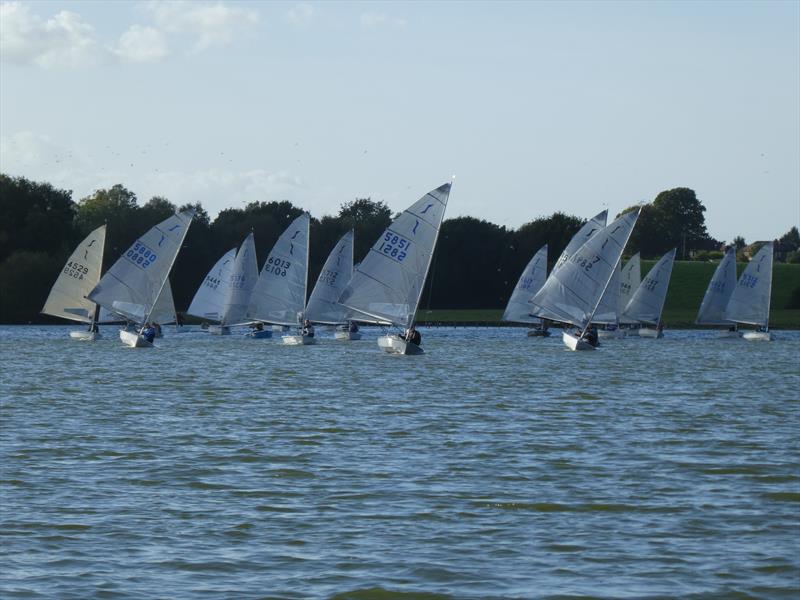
(707, 255)
(793, 257)
(794, 299)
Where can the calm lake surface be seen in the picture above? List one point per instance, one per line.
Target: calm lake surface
(494, 466)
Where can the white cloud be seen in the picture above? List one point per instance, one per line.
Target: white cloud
(301, 14)
(211, 24)
(63, 40)
(374, 20)
(141, 44)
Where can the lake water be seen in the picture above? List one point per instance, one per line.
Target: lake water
(494, 466)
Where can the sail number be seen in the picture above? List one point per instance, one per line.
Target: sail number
(525, 283)
(141, 256)
(329, 277)
(238, 281)
(584, 263)
(717, 286)
(278, 266)
(76, 270)
(649, 284)
(748, 281)
(211, 282)
(394, 246)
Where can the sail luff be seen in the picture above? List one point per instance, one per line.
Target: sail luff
(647, 302)
(165, 279)
(322, 306)
(749, 303)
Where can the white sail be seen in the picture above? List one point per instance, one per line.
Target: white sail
(718, 293)
(608, 311)
(67, 298)
(242, 280)
(572, 294)
(132, 285)
(648, 299)
(279, 295)
(323, 305)
(629, 281)
(585, 233)
(749, 302)
(388, 283)
(209, 299)
(532, 279)
(163, 311)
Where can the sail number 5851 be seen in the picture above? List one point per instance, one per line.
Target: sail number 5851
(394, 246)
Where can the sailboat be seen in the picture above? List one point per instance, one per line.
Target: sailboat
(530, 281)
(609, 309)
(133, 284)
(584, 234)
(387, 286)
(209, 299)
(749, 303)
(717, 296)
(323, 306)
(279, 295)
(67, 298)
(629, 280)
(574, 291)
(647, 302)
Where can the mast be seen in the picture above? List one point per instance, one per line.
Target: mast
(96, 313)
(305, 287)
(430, 258)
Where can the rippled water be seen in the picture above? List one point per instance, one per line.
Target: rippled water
(494, 466)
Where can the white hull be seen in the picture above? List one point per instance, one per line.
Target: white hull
(264, 334)
(757, 336)
(280, 328)
(647, 332)
(611, 334)
(85, 336)
(133, 339)
(219, 330)
(299, 340)
(394, 344)
(347, 335)
(573, 342)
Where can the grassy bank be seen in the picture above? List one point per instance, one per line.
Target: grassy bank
(686, 290)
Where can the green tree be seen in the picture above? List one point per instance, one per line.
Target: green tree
(118, 209)
(368, 219)
(35, 216)
(790, 241)
(27, 277)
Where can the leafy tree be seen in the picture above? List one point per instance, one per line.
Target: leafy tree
(368, 218)
(34, 216)
(195, 258)
(790, 241)
(118, 209)
(27, 278)
(739, 243)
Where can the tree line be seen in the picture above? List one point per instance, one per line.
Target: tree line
(476, 265)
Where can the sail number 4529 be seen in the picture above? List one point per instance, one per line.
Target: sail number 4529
(141, 256)
(394, 246)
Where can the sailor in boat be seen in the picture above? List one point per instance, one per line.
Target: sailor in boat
(413, 336)
(591, 337)
(352, 327)
(259, 326)
(157, 327)
(149, 333)
(308, 329)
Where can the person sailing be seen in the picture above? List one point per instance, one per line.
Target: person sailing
(591, 336)
(308, 329)
(352, 327)
(148, 333)
(413, 336)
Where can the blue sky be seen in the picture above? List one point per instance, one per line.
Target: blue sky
(534, 106)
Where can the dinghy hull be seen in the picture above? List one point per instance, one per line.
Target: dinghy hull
(611, 334)
(574, 343)
(133, 339)
(727, 335)
(538, 333)
(757, 336)
(394, 344)
(647, 332)
(219, 330)
(299, 340)
(347, 335)
(85, 336)
(264, 334)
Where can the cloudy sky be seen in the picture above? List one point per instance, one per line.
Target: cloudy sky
(534, 106)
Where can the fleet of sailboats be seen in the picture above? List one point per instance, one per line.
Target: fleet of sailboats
(588, 285)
